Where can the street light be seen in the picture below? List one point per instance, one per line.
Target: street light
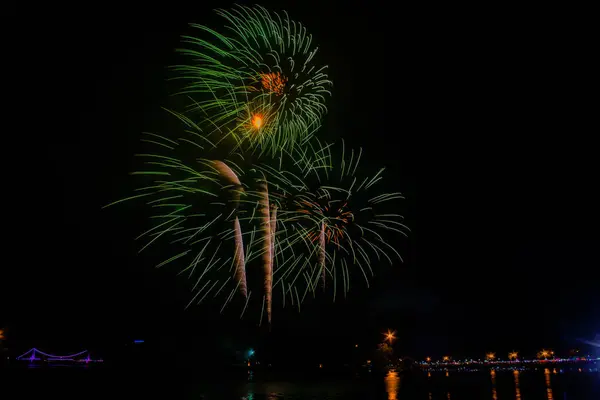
(543, 354)
(390, 336)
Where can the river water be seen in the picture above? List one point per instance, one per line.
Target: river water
(543, 384)
(482, 385)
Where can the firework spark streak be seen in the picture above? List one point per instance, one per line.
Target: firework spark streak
(334, 220)
(230, 176)
(273, 229)
(257, 81)
(322, 252)
(264, 209)
(249, 183)
(240, 267)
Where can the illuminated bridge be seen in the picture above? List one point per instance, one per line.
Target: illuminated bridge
(34, 355)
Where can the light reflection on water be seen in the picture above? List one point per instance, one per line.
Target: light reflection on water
(548, 384)
(392, 385)
(517, 385)
(482, 385)
(494, 391)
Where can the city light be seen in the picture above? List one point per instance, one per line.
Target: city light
(544, 354)
(490, 356)
(513, 355)
(34, 354)
(390, 336)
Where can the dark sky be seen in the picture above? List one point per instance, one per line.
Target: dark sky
(483, 118)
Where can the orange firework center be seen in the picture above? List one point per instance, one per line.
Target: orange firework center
(332, 234)
(273, 82)
(332, 229)
(257, 121)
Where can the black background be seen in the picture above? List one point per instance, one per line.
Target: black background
(484, 119)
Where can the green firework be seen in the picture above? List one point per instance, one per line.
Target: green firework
(210, 215)
(256, 83)
(304, 218)
(337, 222)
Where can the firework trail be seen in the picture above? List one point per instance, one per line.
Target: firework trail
(322, 253)
(249, 183)
(256, 81)
(227, 173)
(334, 220)
(240, 269)
(273, 229)
(267, 244)
(232, 179)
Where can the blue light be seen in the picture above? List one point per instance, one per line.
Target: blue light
(251, 352)
(138, 341)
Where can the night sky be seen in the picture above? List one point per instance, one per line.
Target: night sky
(485, 123)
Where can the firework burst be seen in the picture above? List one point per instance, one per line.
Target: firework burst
(256, 81)
(305, 220)
(332, 221)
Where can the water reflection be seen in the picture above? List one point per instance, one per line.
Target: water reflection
(392, 384)
(548, 384)
(250, 394)
(494, 392)
(517, 386)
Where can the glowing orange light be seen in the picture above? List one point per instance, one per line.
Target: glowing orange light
(257, 121)
(446, 358)
(320, 365)
(392, 384)
(1, 334)
(273, 82)
(389, 336)
(544, 354)
(490, 356)
(513, 355)
(428, 359)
